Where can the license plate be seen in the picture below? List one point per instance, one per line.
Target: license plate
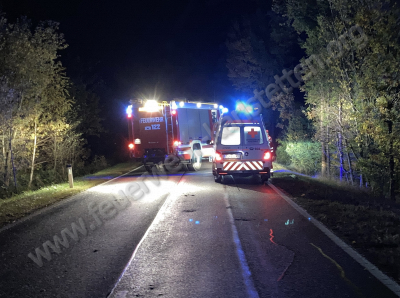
(232, 156)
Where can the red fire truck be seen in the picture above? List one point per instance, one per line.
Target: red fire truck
(173, 134)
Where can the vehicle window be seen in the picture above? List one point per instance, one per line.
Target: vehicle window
(230, 136)
(252, 135)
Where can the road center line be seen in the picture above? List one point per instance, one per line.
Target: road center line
(246, 273)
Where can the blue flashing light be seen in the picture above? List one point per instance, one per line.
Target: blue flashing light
(197, 222)
(242, 107)
(129, 110)
(225, 110)
(190, 220)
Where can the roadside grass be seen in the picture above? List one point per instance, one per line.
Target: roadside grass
(27, 202)
(370, 224)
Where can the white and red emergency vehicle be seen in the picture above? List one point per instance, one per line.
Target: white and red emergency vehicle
(242, 148)
(173, 133)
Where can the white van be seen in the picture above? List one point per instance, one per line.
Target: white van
(242, 149)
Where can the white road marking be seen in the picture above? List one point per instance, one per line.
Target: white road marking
(382, 277)
(246, 273)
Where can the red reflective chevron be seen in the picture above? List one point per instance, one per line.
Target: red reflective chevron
(254, 165)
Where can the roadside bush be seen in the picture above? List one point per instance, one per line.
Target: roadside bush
(98, 163)
(282, 156)
(305, 156)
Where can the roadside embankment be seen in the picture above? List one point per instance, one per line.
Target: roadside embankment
(27, 202)
(370, 224)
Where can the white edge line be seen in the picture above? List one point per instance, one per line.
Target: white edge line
(57, 204)
(137, 247)
(382, 277)
(246, 273)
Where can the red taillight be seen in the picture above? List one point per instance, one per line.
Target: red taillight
(267, 155)
(217, 156)
(131, 146)
(129, 115)
(173, 112)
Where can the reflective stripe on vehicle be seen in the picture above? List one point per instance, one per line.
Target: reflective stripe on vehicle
(239, 165)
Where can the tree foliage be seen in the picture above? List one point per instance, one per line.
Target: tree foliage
(38, 134)
(353, 97)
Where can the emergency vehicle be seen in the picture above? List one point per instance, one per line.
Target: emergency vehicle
(242, 148)
(175, 134)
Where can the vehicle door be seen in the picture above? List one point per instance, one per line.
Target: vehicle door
(254, 144)
(228, 142)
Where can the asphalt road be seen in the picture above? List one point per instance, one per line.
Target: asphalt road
(178, 236)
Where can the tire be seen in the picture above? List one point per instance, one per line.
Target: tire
(217, 178)
(195, 162)
(148, 169)
(256, 178)
(264, 179)
(172, 164)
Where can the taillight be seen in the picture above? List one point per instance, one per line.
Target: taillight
(131, 146)
(217, 156)
(177, 143)
(267, 155)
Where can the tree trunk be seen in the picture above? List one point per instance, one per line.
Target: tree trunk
(349, 163)
(323, 143)
(33, 156)
(5, 160)
(323, 163)
(340, 149)
(55, 153)
(350, 168)
(340, 142)
(328, 153)
(391, 163)
(12, 162)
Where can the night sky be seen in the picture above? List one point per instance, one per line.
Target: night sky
(143, 49)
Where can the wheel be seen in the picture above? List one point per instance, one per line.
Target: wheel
(195, 164)
(148, 168)
(172, 164)
(255, 178)
(218, 178)
(264, 179)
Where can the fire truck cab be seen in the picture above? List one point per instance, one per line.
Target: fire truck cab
(242, 148)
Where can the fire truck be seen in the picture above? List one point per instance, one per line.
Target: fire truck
(174, 134)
